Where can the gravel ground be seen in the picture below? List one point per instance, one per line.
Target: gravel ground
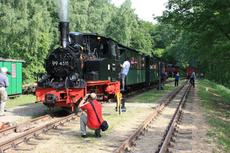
(23, 113)
(201, 142)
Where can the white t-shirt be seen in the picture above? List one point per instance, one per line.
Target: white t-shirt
(193, 75)
(125, 69)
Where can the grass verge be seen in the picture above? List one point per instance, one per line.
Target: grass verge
(216, 103)
(152, 95)
(21, 100)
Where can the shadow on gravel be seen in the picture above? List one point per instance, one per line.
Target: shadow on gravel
(35, 110)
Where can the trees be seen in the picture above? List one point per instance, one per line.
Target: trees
(26, 33)
(128, 29)
(90, 15)
(122, 24)
(204, 35)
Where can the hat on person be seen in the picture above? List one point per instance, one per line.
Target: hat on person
(93, 95)
(4, 69)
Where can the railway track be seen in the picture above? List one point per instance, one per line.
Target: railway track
(150, 135)
(179, 135)
(12, 137)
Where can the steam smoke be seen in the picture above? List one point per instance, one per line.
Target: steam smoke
(63, 10)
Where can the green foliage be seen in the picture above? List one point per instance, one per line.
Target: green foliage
(90, 15)
(152, 95)
(21, 100)
(122, 23)
(26, 33)
(203, 38)
(141, 38)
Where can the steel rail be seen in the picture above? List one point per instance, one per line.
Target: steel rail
(169, 132)
(125, 146)
(25, 136)
(14, 128)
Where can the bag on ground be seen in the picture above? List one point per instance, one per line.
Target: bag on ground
(104, 126)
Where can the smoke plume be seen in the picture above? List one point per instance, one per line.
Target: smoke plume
(63, 10)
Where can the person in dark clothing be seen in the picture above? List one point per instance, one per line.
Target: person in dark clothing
(163, 79)
(192, 79)
(177, 78)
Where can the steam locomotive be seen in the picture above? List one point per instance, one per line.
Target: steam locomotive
(88, 62)
(171, 70)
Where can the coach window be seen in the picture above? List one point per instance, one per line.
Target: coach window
(103, 47)
(117, 52)
(132, 62)
(138, 62)
(143, 62)
(113, 49)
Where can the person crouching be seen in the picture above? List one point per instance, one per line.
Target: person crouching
(93, 119)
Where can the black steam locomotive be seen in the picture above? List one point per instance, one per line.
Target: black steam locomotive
(88, 62)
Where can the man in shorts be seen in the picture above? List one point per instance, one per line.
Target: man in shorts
(124, 72)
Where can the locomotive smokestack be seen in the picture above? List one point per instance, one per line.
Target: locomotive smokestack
(64, 33)
(63, 24)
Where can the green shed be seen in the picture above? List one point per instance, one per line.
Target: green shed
(15, 78)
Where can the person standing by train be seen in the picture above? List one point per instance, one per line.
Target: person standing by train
(91, 119)
(3, 93)
(124, 72)
(177, 78)
(163, 77)
(192, 79)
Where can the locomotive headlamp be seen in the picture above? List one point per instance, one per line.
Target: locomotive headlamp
(44, 76)
(98, 38)
(73, 77)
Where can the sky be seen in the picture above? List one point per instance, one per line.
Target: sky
(146, 8)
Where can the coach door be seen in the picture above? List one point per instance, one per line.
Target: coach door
(115, 61)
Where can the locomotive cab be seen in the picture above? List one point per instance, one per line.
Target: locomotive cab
(100, 56)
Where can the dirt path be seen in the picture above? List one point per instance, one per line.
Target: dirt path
(201, 142)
